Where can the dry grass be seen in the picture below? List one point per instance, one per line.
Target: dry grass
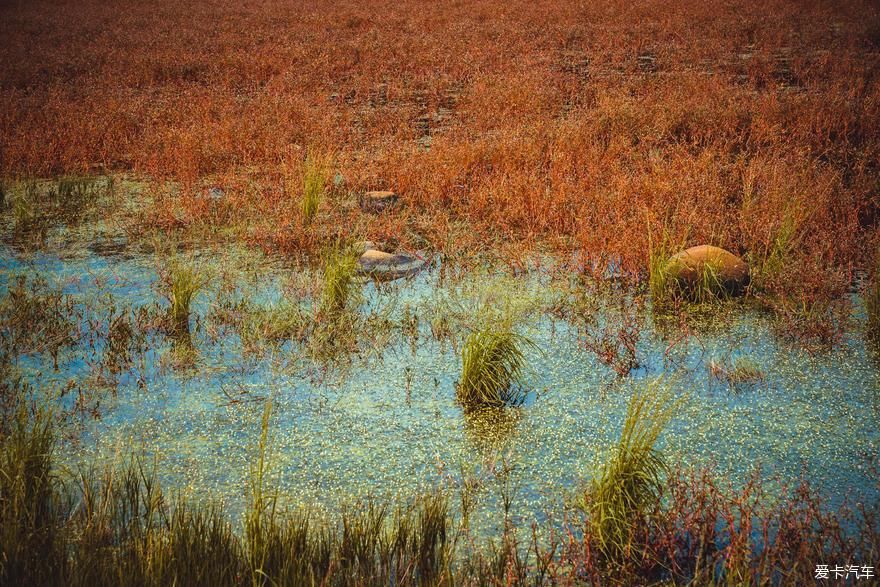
(578, 125)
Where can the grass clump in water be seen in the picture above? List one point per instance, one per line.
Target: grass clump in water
(338, 287)
(184, 281)
(630, 484)
(492, 364)
(736, 371)
(31, 545)
(36, 317)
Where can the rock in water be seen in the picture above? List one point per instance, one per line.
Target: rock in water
(387, 266)
(721, 268)
(378, 201)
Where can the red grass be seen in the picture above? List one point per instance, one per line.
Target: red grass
(578, 125)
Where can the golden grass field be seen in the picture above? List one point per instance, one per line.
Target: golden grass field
(587, 127)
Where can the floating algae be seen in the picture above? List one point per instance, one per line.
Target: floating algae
(389, 425)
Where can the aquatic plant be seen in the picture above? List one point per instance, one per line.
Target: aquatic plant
(492, 365)
(125, 339)
(736, 371)
(314, 183)
(338, 285)
(658, 277)
(32, 548)
(614, 338)
(38, 205)
(276, 324)
(630, 483)
(185, 281)
(771, 257)
(26, 218)
(36, 317)
(117, 527)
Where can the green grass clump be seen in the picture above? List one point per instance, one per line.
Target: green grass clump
(338, 288)
(275, 324)
(25, 203)
(630, 483)
(31, 545)
(771, 258)
(37, 206)
(492, 364)
(117, 527)
(185, 282)
(314, 183)
(658, 277)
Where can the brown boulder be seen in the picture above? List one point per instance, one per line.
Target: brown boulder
(709, 266)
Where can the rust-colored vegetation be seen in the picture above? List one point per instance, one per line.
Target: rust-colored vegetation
(579, 127)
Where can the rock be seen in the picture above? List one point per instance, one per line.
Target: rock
(689, 266)
(378, 201)
(215, 194)
(387, 266)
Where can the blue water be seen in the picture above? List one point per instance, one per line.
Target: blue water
(384, 422)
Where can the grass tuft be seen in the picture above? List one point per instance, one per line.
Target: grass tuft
(630, 483)
(340, 266)
(736, 371)
(315, 175)
(492, 364)
(31, 546)
(185, 282)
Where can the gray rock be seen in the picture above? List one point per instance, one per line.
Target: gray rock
(388, 266)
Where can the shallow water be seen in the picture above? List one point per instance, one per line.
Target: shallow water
(388, 425)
